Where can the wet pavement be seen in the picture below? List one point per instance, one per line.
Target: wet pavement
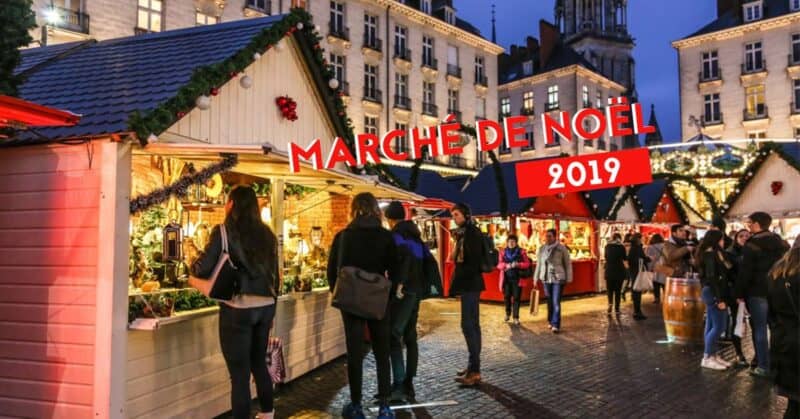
(598, 367)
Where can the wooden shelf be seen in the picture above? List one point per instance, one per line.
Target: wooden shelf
(181, 316)
(193, 206)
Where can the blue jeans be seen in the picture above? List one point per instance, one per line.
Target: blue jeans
(471, 327)
(715, 322)
(757, 306)
(553, 293)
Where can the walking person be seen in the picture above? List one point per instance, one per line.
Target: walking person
(655, 251)
(405, 306)
(678, 252)
(468, 283)
(637, 260)
(366, 245)
(759, 254)
(615, 271)
(784, 303)
(713, 267)
(245, 320)
(554, 269)
(734, 254)
(513, 261)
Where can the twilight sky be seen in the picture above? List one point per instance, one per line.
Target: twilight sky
(654, 25)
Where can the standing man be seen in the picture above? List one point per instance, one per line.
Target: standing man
(678, 252)
(554, 269)
(759, 254)
(405, 304)
(468, 283)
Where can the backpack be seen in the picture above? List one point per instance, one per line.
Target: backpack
(489, 253)
(431, 277)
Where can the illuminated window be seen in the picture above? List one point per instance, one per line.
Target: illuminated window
(505, 106)
(585, 96)
(371, 125)
(204, 19)
(527, 102)
(754, 101)
(149, 16)
(552, 98)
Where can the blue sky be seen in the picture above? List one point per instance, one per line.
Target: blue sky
(654, 24)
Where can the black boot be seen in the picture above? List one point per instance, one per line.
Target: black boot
(408, 387)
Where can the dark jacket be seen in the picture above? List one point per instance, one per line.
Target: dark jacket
(467, 276)
(784, 303)
(615, 262)
(760, 252)
(635, 255)
(364, 244)
(410, 256)
(254, 277)
(714, 274)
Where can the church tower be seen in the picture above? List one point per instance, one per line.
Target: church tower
(598, 29)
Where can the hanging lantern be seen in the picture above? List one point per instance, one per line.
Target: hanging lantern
(173, 237)
(333, 84)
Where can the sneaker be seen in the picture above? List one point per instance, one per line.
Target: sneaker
(408, 387)
(462, 373)
(720, 360)
(516, 322)
(385, 412)
(741, 361)
(398, 395)
(353, 411)
(508, 318)
(609, 309)
(712, 364)
(555, 330)
(759, 372)
(469, 380)
(269, 415)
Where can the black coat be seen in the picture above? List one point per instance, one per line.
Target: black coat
(365, 244)
(784, 303)
(467, 276)
(411, 253)
(760, 252)
(635, 255)
(714, 274)
(615, 262)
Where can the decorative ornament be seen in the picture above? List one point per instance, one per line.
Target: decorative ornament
(233, 74)
(280, 46)
(333, 84)
(256, 56)
(214, 91)
(299, 26)
(246, 82)
(317, 28)
(181, 114)
(203, 102)
(316, 46)
(288, 107)
(776, 187)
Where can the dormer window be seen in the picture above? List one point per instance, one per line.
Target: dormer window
(794, 5)
(450, 16)
(752, 11)
(527, 67)
(425, 6)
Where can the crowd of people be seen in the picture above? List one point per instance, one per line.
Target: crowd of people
(753, 271)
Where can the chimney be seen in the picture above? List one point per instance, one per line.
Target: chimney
(532, 44)
(550, 37)
(723, 6)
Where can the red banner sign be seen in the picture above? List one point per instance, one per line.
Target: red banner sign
(583, 173)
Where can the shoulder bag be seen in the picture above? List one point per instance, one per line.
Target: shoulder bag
(644, 279)
(223, 283)
(358, 292)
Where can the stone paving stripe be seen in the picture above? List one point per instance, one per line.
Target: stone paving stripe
(418, 405)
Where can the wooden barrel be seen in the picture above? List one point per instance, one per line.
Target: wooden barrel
(683, 310)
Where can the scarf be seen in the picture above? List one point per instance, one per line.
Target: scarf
(458, 235)
(511, 255)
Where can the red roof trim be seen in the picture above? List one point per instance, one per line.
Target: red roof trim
(15, 111)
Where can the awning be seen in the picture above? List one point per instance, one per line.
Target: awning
(255, 161)
(18, 112)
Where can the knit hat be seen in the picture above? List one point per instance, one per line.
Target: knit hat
(395, 211)
(719, 223)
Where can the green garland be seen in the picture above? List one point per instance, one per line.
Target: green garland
(671, 177)
(16, 19)
(632, 193)
(767, 149)
(209, 77)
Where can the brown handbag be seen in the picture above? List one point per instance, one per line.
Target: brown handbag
(358, 292)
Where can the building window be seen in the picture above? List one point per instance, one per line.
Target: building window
(796, 103)
(527, 102)
(795, 5)
(753, 57)
(449, 16)
(505, 107)
(529, 139)
(150, 15)
(552, 98)
(429, 99)
(710, 65)
(425, 6)
(338, 65)
(480, 107)
(427, 51)
(795, 57)
(371, 82)
(401, 143)
(401, 42)
(480, 75)
(260, 5)
(527, 68)
(754, 101)
(756, 135)
(370, 125)
(711, 108)
(585, 97)
(370, 30)
(337, 17)
(401, 98)
(204, 19)
(599, 99)
(752, 11)
(452, 102)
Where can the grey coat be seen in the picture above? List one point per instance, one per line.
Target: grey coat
(560, 262)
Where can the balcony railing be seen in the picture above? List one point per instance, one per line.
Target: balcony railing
(794, 107)
(794, 60)
(141, 31)
(453, 70)
(456, 112)
(458, 161)
(344, 87)
(430, 109)
(713, 119)
(402, 53)
(551, 106)
(481, 80)
(754, 67)
(339, 31)
(526, 111)
(374, 43)
(69, 19)
(402, 102)
(760, 112)
(703, 77)
(430, 62)
(373, 95)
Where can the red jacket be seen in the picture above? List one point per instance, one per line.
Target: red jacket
(525, 263)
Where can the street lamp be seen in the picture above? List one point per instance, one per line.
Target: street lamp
(52, 16)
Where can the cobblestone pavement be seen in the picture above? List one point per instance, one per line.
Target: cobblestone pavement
(598, 367)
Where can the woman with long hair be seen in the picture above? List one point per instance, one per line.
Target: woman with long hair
(655, 251)
(366, 245)
(713, 267)
(637, 258)
(784, 306)
(734, 254)
(245, 320)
